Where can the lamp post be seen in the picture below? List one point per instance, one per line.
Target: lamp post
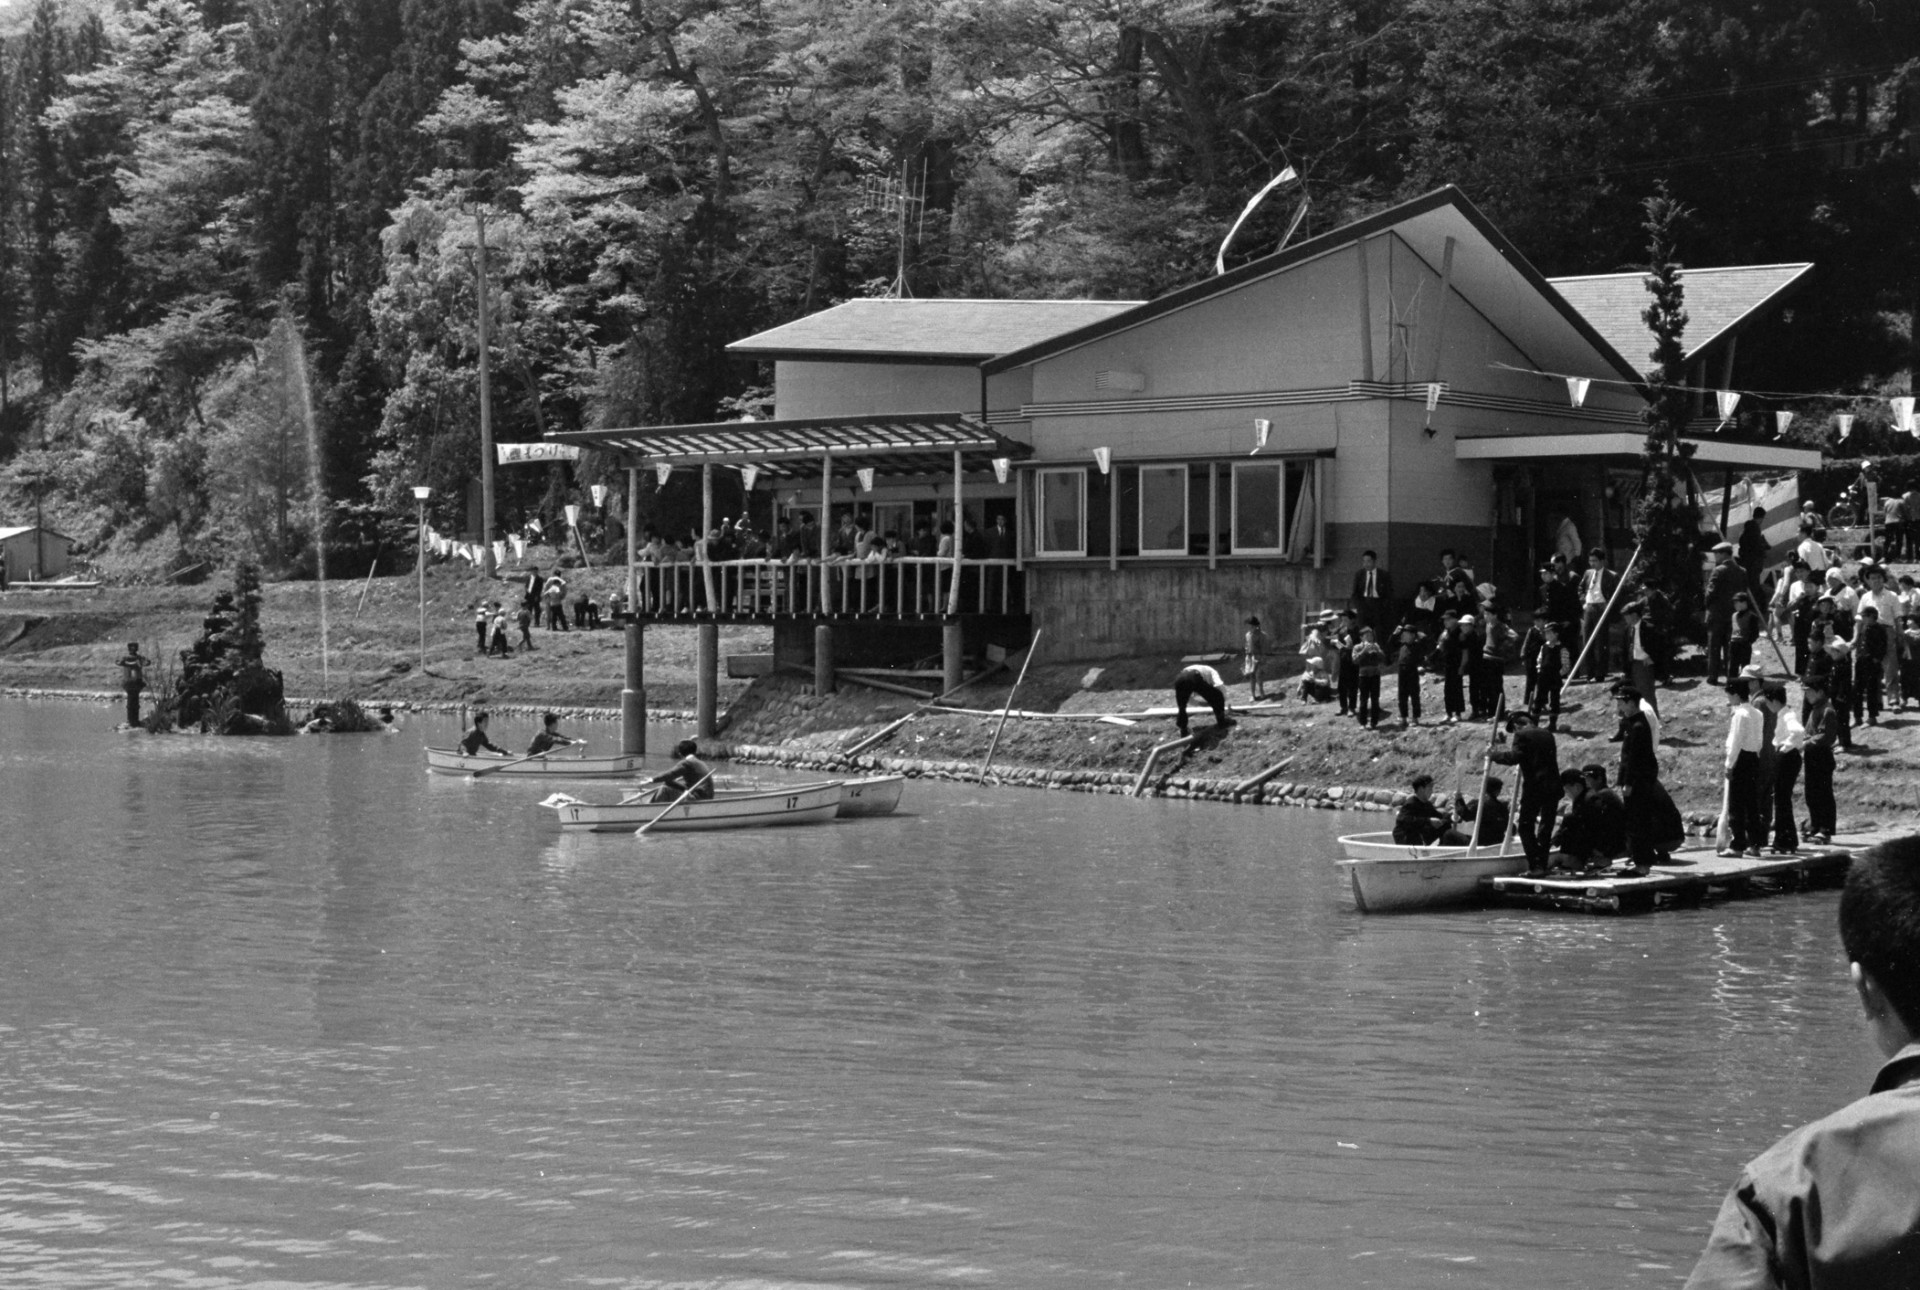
(420, 495)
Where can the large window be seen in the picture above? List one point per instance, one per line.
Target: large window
(1062, 523)
(1272, 507)
(1163, 510)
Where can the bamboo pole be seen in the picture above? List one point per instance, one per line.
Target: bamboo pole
(1606, 614)
(873, 739)
(1154, 756)
(994, 743)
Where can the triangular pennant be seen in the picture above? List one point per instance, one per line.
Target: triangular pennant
(599, 492)
(1002, 467)
(1903, 414)
(1781, 421)
(1846, 425)
(1103, 458)
(1433, 395)
(499, 552)
(573, 516)
(1726, 401)
(1262, 431)
(866, 478)
(747, 475)
(519, 546)
(1577, 387)
(534, 526)
(662, 471)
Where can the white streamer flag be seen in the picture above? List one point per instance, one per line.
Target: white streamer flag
(1903, 415)
(1577, 387)
(1846, 425)
(1726, 401)
(1433, 395)
(866, 478)
(747, 475)
(1781, 421)
(519, 546)
(1002, 467)
(1103, 458)
(534, 525)
(662, 471)
(1286, 176)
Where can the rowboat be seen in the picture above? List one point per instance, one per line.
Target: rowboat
(875, 795)
(1392, 877)
(555, 765)
(791, 804)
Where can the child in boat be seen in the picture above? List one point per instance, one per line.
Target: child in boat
(1837, 1202)
(688, 775)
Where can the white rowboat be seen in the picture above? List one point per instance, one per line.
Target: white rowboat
(875, 795)
(559, 764)
(793, 804)
(1393, 877)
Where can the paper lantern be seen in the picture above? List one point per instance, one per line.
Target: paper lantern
(599, 492)
(1781, 421)
(1727, 401)
(1433, 395)
(1903, 415)
(573, 516)
(499, 552)
(866, 478)
(747, 475)
(1846, 425)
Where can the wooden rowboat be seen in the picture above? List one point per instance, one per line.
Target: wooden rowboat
(875, 795)
(793, 804)
(558, 764)
(1392, 877)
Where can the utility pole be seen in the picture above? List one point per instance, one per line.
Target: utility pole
(486, 409)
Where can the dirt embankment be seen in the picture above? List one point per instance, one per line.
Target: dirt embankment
(70, 641)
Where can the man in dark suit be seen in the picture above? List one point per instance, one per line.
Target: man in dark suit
(1596, 587)
(1654, 826)
(1536, 753)
(1372, 599)
(1724, 580)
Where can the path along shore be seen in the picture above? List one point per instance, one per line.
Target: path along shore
(65, 643)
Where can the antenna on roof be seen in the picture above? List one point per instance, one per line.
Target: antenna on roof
(906, 201)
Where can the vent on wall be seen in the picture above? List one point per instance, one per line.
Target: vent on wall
(1127, 382)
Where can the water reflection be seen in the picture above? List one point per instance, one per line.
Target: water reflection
(293, 1010)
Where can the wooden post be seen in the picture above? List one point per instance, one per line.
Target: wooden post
(486, 401)
(994, 743)
(823, 682)
(633, 698)
(1113, 516)
(826, 520)
(706, 680)
(959, 523)
(1319, 512)
(1213, 512)
(1599, 632)
(706, 538)
(1726, 501)
(952, 643)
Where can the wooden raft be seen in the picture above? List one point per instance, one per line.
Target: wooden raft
(1695, 875)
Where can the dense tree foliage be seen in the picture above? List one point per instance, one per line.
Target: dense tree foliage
(203, 200)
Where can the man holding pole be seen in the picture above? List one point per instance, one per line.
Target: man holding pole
(1536, 753)
(1596, 589)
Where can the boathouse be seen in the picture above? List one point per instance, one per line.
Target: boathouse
(1163, 468)
(29, 552)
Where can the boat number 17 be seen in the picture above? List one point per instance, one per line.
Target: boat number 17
(793, 803)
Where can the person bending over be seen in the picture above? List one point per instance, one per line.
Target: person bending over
(688, 775)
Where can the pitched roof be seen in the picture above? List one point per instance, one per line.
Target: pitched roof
(1719, 302)
(1558, 336)
(17, 530)
(910, 444)
(930, 330)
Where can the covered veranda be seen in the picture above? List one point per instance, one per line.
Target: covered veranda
(828, 591)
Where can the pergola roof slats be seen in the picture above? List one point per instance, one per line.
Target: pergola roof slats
(918, 444)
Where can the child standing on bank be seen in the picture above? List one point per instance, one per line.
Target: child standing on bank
(1550, 676)
(1453, 661)
(1406, 662)
(1257, 648)
(1368, 660)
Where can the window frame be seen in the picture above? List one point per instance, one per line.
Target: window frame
(1184, 471)
(1041, 529)
(1278, 465)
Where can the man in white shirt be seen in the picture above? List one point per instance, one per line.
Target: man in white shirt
(1745, 822)
(1596, 586)
(1813, 550)
(1789, 738)
(1199, 679)
(1888, 606)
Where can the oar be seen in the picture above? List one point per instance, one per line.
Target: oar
(488, 770)
(1486, 766)
(641, 832)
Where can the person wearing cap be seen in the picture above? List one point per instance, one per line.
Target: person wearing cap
(1653, 824)
(1408, 650)
(133, 679)
(1724, 580)
(1822, 722)
(1537, 754)
(1201, 680)
(1746, 825)
(1792, 606)
(1745, 632)
(1550, 668)
(1590, 832)
(1872, 644)
(549, 737)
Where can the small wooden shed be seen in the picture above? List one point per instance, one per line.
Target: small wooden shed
(32, 551)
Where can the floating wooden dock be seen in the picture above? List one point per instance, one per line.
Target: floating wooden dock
(1696, 874)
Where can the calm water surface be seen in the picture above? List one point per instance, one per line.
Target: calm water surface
(292, 1013)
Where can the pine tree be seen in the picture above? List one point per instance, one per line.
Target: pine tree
(1666, 516)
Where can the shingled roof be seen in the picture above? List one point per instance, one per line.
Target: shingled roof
(1719, 302)
(926, 330)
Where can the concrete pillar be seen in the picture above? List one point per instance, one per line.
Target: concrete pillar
(951, 645)
(823, 659)
(633, 698)
(706, 681)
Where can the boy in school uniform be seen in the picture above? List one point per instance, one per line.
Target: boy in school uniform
(1745, 631)
(1836, 1203)
(1368, 660)
(1406, 663)
(1453, 662)
(1550, 675)
(1347, 675)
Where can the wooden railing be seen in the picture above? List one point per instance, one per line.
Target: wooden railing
(910, 586)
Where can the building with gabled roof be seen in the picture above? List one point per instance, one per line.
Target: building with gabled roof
(1399, 384)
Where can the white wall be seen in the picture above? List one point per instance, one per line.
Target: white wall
(809, 389)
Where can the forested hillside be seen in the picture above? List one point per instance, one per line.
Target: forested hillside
(201, 201)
